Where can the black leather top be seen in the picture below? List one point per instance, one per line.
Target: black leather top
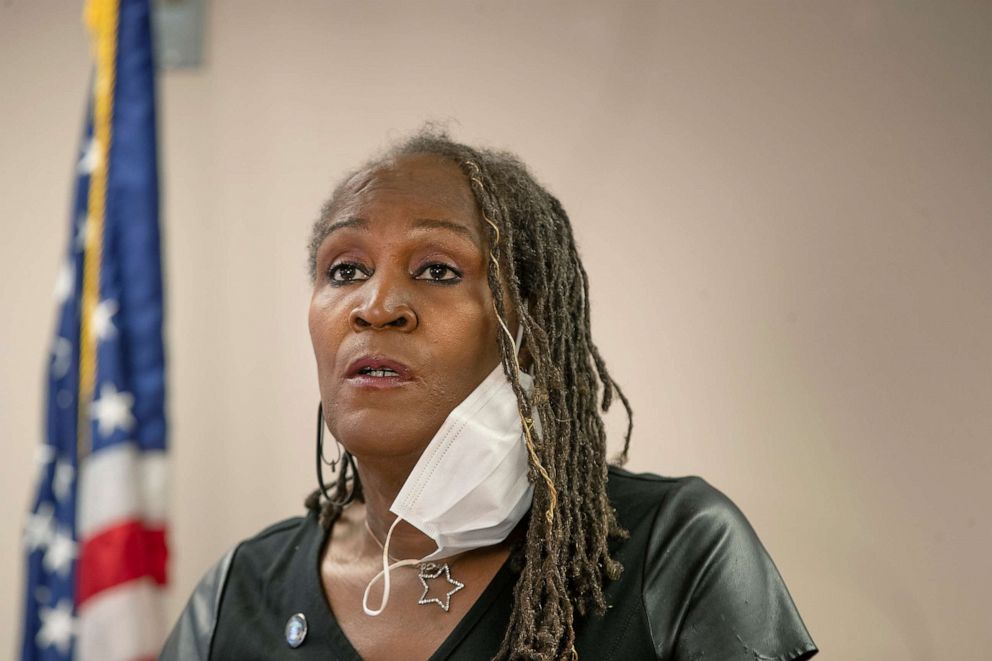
(697, 585)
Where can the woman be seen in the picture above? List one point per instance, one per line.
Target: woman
(474, 515)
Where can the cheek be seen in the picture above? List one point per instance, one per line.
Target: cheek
(472, 343)
(324, 335)
(325, 341)
(317, 329)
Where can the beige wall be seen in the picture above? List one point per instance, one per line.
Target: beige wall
(784, 207)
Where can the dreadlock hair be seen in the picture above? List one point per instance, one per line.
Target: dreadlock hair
(534, 267)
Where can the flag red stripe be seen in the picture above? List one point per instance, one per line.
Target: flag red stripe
(120, 554)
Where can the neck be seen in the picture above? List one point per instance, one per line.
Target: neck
(381, 481)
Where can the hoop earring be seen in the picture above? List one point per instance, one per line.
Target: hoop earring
(347, 462)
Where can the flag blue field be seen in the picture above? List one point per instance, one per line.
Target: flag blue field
(95, 538)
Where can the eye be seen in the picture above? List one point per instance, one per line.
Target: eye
(438, 273)
(347, 272)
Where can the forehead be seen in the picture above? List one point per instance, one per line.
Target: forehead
(417, 186)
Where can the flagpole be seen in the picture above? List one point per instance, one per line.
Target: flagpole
(101, 16)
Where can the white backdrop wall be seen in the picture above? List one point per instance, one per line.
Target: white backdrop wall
(784, 208)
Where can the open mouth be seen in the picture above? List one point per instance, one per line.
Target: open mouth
(372, 370)
(378, 372)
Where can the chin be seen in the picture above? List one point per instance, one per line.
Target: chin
(373, 432)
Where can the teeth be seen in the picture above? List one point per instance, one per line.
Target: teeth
(379, 372)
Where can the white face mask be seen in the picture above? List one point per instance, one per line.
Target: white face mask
(469, 489)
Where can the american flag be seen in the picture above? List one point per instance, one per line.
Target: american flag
(95, 537)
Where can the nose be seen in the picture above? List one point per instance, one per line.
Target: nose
(383, 306)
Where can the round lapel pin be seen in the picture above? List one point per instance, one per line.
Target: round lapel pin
(296, 630)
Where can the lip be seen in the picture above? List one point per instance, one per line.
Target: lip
(353, 374)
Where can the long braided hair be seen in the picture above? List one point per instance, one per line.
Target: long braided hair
(564, 559)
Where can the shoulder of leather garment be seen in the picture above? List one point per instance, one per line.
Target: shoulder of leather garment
(709, 588)
(193, 633)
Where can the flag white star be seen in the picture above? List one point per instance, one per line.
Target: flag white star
(113, 410)
(90, 159)
(103, 324)
(39, 528)
(65, 281)
(61, 357)
(65, 473)
(43, 454)
(60, 553)
(57, 627)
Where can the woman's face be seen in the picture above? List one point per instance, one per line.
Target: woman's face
(401, 316)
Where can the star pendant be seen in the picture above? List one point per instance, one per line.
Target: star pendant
(429, 571)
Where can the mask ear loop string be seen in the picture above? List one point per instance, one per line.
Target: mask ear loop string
(528, 424)
(384, 574)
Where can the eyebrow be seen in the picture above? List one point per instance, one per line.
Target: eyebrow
(357, 223)
(431, 223)
(419, 224)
